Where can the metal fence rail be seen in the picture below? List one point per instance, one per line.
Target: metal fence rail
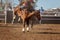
(3, 16)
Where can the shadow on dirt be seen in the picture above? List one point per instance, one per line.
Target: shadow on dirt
(45, 32)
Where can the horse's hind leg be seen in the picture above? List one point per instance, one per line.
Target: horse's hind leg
(13, 19)
(31, 24)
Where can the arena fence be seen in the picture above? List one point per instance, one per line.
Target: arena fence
(6, 16)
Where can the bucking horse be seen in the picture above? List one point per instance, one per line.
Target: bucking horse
(27, 16)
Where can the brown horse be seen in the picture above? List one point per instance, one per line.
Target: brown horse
(25, 15)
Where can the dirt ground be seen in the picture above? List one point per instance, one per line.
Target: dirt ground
(39, 32)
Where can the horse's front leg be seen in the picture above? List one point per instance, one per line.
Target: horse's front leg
(23, 26)
(27, 22)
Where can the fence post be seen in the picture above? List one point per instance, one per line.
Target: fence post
(5, 11)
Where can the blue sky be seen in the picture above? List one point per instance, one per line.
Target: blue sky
(46, 4)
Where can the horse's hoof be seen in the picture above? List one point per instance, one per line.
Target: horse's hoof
(23, 30)
(27, 29)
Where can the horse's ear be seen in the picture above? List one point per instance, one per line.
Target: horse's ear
(21, 3)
